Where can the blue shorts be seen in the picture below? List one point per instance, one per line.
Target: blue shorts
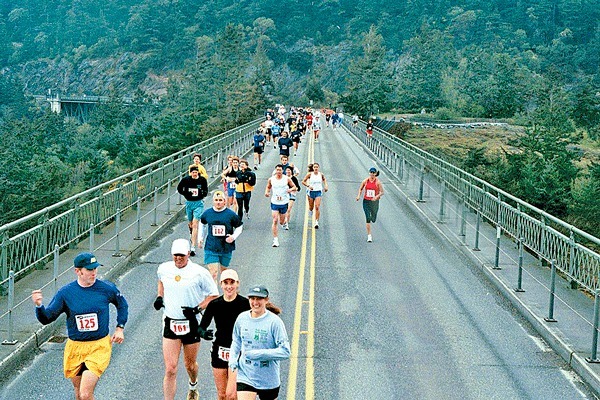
(213, 258)
(194, 209)
(230, 189)
(281, 208)
(313, 194)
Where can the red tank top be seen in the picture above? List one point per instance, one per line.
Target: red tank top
(371, 190)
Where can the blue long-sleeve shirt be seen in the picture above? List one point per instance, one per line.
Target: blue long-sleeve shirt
(257, 346)
(87, 309)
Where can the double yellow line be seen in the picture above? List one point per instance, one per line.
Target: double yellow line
(309, 331)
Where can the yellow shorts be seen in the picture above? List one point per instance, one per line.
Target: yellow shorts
(95, 354)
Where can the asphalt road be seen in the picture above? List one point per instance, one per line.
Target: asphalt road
(404, 317)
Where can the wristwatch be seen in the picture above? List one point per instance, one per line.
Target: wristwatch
(121, 326)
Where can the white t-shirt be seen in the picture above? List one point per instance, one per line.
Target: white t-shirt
(279, 187)
(187, 286)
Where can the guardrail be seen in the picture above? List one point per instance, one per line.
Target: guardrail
(31, 241)
(549, 238)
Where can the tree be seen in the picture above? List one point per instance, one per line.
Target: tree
(368, 80)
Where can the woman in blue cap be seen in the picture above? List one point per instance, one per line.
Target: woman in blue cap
(259, 342)
(373, 192)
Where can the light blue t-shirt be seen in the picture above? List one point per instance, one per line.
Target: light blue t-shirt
(258, 345)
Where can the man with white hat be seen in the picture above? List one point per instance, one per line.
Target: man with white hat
(184, 290)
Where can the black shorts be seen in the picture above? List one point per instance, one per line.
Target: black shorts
(263, 394)
(296, 139)
(258, 150)
(215, 361)
(190, 338)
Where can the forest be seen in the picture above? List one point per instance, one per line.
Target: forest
(215, 64)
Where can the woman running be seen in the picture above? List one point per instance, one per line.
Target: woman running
(289, 171)
(259, 342)
(225, 310)
(373, 192)
(229, 176)
(317, 184)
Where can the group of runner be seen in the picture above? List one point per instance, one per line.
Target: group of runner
(250, 338)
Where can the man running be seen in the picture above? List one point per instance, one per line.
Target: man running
(285, 144)
(222, 227)
(280, 186)
(85, 302)
(184, 290)
(259, 147)
(194, 188)
(244, 184)
(316, 128)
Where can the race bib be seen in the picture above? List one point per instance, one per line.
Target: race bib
(180, 327)
(370, 193)
(232, 185)
(283, 147)
(278, 198)
(218, 230)
(224, 353)
(87, 322)
(194, 192)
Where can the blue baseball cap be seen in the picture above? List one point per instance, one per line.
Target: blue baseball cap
(258, 291)
(86, 260)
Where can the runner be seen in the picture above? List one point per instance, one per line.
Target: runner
(317, 184)
(281, 187)
(285, 144)
(184, 290)
(268, 125)
(196, 159)
(222, 227)
(296, 138)
(354, 121)
(316, 128)
(85, 302)
(373, 192)
(245, 181)
(254, 356)
(224, 310)
(276, 132)
(289, 171)
(194, 188)
(229, 176)
(259, 147)
(369, 128)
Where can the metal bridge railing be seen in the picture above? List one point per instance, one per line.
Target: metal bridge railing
(30, 241)
(550, 238)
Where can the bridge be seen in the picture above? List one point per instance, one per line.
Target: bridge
(78, 106)
(466, 292)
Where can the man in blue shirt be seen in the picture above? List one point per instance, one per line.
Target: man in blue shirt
(85, 301)
(222, 227)
(259, 147)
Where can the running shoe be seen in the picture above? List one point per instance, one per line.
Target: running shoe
(316, 224)
(192, 252)
(286, 226)
(369, 238)
(193, 394)
(295, 154)
(275, 242)
(255, 167)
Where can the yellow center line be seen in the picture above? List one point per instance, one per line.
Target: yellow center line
(294, 359)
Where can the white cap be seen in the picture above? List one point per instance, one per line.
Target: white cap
(229, 274)
(180, 246)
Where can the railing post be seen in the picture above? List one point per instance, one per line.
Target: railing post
(4, 257)
(168, 212)
(75, 226)
(117, 252)
(593, 358)
(520, 276)
(155, 208)
(55, 265)
(92, 237)
(421, 185)
(401, 168)
(550, 317)
(442, 202)
(138, 212)
(463, 220)
(477, 226)
(497, 258)
(10, 305)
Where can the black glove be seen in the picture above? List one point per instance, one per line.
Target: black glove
(158, 303)
(206, 334)
(190, 312)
